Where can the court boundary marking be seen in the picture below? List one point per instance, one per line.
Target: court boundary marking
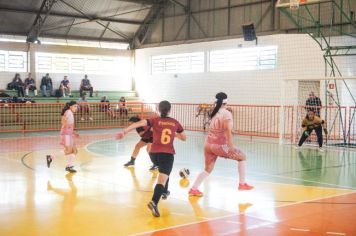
(221, 217)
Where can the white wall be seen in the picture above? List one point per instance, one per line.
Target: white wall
(298, 57)
(242, 87)
(117, 82)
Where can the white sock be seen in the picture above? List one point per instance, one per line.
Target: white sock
(26, 92)
(71, 158)
(35, 92)
(241, 166)
(200, 179)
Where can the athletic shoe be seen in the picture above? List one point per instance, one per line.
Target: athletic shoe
(90, 118)
(154, 167)
(195, 193)
(321, 149)
(70, 169)
(165, 195)
(82, 119)
(130, 163)
(245, 186)
(297, 147)
(154, 209)
(49, 160)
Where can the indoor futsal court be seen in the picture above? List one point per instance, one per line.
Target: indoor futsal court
(178, 117)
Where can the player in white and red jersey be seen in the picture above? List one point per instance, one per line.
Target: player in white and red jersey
(219, 143)
(67, 136)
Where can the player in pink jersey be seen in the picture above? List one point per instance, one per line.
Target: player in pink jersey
(219, 143)
(165, 129)
(67, 136)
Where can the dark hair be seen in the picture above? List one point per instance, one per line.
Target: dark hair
(67, 106)
(312, 110)
(134, 119)
(220, 97)
(164, 108)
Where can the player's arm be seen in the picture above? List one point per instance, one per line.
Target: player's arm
(228, 133)
(181, 136)
(141, 123)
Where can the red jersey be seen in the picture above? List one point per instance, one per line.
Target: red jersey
(164, 131)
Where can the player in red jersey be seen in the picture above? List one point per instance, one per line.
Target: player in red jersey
(165, 129)
(146, 140)
(67, 136)
(219, 143)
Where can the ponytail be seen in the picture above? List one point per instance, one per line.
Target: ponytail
(164, 108)
(65, 108)
(219, 102)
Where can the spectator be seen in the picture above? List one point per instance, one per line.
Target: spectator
(313, 103)
(105, 106)
(122, 107)
(30, 84)
(18, 85)
(85, 85)
(84, 107)
(46, 85)
(64, 87)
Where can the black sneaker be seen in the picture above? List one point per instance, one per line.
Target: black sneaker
(154, 167)
(165, 195)
(70, 169)
(49, 160)
(130, 163)
(153, 207)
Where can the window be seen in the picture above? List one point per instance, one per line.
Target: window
(178, 63)
(13, 61)
(80, 64)
(256, 58)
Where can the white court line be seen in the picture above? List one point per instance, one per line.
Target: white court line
(236, 214)
(335, 233)
(297, 229)
(233, 222)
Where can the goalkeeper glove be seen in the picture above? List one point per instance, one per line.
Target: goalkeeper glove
(306, 133)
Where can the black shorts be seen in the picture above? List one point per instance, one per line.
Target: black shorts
(147, 140)
(164, 161)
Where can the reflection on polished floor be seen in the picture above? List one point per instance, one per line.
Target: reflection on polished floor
(296, 192)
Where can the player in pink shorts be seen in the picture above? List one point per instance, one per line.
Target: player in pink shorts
(219, 143)
(67, 136)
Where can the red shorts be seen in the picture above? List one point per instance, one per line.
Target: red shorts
(213, 151)
(67, 140)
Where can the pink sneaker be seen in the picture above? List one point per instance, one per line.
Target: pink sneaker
(195, 193)
(245, 186)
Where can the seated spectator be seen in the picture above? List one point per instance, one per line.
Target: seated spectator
(105, 107)
(122, 107)
(84, 107)
(46, 85)
(65, 88)
(18, 85)
(30, 84)
(85, 85)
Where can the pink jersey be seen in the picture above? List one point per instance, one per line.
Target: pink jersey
(69, 116)
(216, 133)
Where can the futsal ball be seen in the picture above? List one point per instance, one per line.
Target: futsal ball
(184, 173)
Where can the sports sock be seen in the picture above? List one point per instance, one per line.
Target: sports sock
(157, 193)
(200, 179)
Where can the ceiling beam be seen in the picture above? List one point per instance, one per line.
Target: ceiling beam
(75, 37)
(69, 15)
(35, 31)
(144, 2)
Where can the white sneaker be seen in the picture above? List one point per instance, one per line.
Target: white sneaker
(296, 147)
(321, 149)
(82, 119)
(90, 118)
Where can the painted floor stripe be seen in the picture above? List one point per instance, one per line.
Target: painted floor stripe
(335, 233)
(296, 229)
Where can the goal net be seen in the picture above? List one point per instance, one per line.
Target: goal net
(337, 108)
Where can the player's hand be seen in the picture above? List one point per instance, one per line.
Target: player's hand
(120, 135)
